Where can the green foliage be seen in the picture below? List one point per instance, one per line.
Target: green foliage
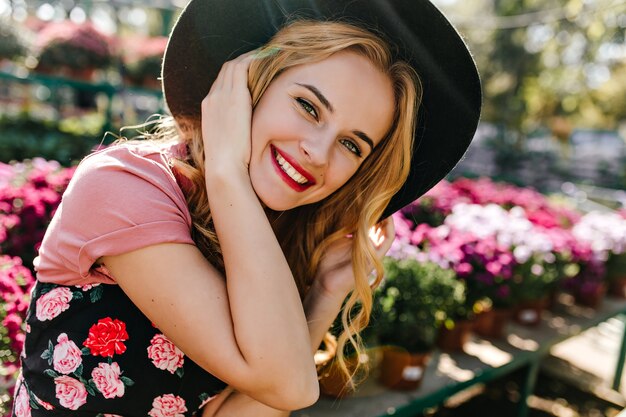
(67, 141)
(11, 44)
(534, 279)
(413, 301)
(616, 266)
(541, 59)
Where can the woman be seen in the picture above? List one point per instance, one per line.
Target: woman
(219, 256)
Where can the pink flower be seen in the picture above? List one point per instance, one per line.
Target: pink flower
(53, 303)
(67, 356)
(164, 354)
(70, 392)
(87, 287)
(22, 404)
(168, 405)
(107, 380)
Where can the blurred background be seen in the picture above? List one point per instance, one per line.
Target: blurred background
(75, 72)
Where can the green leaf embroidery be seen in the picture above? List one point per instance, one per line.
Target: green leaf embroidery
(127, 381)
(96, 294)
(79, 371)
(180, 372)
(89, 386)
(77, 295)
(33, 403)
(51, 373)
(47, 354)
(203, 397)
(85, 351)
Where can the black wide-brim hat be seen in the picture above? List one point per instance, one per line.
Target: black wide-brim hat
(211, 32)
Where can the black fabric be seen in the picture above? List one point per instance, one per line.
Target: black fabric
(143, 381)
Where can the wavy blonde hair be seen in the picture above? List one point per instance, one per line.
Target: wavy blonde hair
(305, 233)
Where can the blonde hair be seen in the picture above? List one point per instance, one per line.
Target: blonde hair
(306, 232)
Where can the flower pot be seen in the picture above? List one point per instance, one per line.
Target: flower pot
(333, 382)
(451, 340)
(492, 323)
(528, 312)
(402, 370)
(81, 74)
(591, 297)
(617, 287)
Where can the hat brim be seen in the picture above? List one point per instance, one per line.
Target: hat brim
(211, 32)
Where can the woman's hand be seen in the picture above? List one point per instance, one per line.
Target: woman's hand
(226, 120)
(335, 275)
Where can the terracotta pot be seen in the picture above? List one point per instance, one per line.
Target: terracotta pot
(591, 299)
(492, 323)
(528, 312)
(402, 370)
(81, 74)
(333, 382)
(451, 340)
(617, 287)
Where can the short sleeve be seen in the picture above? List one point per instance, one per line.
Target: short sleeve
(119, 200)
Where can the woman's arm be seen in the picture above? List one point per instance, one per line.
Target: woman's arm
(321, 309)
(249, 330)
(321, 305)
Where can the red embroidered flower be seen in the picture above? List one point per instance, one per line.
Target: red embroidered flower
(107, 337)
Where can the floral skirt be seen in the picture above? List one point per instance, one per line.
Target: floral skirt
(89, 351)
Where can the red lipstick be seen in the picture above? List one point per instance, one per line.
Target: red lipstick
(290, 181)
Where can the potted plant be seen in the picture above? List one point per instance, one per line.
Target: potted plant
(15, 283)
(142, 59)
(72, 49)
(616, 274)
(533, 282)
(605, 233)
(11, 44)
(409, 307)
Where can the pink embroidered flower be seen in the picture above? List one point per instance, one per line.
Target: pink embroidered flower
(53, 303)
(67, 356)
(70, 392)
(107, 380)
(22, 404)
(107, 337)
(168, 405)
(87, 287)
(164, 354)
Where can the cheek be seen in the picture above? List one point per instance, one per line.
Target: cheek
(340, 173)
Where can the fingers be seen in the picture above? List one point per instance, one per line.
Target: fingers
(234, 72)
(383, 235)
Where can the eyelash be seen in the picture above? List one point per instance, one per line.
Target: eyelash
(307, 107)
(310, 109)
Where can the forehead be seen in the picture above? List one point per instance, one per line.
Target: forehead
(360, 94)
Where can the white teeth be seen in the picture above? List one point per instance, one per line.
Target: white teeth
(290, 170)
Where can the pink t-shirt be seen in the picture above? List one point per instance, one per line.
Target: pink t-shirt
(120, 199)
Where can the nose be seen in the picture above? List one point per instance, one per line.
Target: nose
(316, 149)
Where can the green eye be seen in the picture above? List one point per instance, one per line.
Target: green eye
(351, 146)
(308, 107)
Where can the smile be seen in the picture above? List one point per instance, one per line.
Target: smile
(294, 176)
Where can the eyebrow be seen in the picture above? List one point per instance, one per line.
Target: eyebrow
(329, 107)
